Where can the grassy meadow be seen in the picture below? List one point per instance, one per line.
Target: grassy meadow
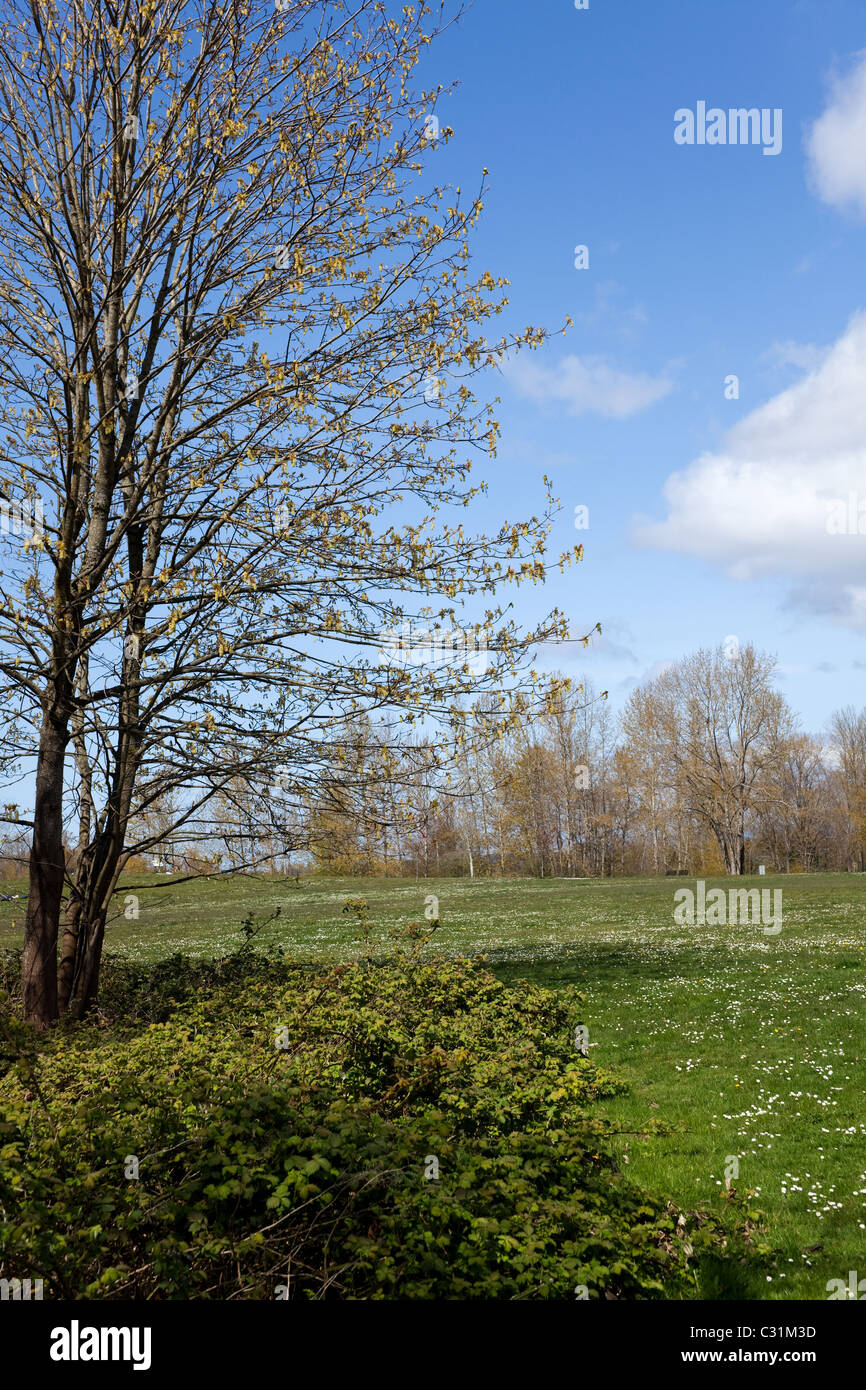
(734, 1044)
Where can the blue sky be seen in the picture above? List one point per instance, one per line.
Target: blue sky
(704, 261)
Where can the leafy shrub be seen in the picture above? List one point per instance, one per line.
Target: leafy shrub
(306, 1168)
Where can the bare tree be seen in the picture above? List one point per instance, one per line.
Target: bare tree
(725, 731)
(848, 738)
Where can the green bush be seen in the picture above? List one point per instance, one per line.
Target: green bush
(303, 1170)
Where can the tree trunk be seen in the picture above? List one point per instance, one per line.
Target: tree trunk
(69, 950)
(87, 984)
(39, 957)
(72, 925)
(101, 871)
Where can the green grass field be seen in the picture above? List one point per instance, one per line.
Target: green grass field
(744, 1046)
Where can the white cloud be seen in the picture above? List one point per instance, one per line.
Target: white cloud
(610, 313)
(804, 356)
(586, 385)
(599, 646)
(836, 143)
(759, 505)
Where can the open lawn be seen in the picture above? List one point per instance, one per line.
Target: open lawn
(740, 1045)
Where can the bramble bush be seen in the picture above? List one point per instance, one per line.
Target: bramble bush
(287, 1123)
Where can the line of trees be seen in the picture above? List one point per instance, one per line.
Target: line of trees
(704, 770)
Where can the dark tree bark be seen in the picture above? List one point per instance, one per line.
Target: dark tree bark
(47, 863)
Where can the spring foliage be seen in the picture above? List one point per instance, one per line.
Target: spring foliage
(303, 1170)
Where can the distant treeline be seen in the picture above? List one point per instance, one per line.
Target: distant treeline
(704, 770)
